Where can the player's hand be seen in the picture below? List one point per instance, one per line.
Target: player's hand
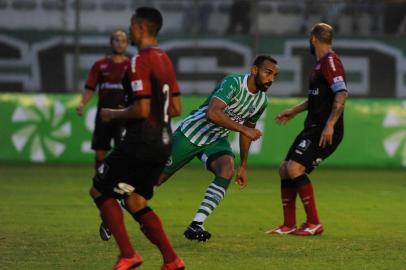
(106, 114)
(326, 136)
(241, 177)
(79, 109)
(284, 117)
(252, 133)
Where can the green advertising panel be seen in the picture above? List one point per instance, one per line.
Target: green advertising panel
(46, 128)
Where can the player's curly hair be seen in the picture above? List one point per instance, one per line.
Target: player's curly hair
(152, 16)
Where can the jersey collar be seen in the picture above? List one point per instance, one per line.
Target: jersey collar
(245, 85)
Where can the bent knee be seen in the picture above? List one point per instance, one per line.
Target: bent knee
(227, 172)
(224, 167)
(135, 202)
(294, 169)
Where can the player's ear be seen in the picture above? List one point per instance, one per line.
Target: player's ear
(144, 28)
(313, 40)
(254, 70)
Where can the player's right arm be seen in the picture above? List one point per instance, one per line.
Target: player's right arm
(140, 109)
(86, 96)
(215, 113)
(285, 116)
(91, 84)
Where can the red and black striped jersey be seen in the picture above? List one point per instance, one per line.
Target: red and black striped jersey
(327, 78)
(106, 77)
(152, 76)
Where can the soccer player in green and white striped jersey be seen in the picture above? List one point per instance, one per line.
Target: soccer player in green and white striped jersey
(236, 104)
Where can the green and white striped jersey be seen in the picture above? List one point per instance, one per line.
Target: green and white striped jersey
(242, 106)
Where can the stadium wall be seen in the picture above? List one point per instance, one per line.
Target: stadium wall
(36, 61)
(45, 128)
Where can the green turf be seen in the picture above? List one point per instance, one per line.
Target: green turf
(47, 221)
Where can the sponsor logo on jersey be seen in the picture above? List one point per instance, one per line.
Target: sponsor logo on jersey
(111, 86)
(251, 109)
(103, 66)
(137, 85)
(231, 92)
(234, 116)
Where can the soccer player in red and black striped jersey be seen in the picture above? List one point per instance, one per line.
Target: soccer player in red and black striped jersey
(132, 169)
(106, 77)
(323, 132)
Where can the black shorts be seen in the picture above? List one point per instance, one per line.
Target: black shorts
(123, 169)
(306, 151)
(104, 132)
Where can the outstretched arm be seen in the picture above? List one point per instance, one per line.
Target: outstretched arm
(336, 111)
(215, 113)
(285, 116)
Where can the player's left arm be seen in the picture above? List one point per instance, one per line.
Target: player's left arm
(334, 74)
(245, 143)
(336, 111)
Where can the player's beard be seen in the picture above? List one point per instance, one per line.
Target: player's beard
(262, 87)
(312, 49)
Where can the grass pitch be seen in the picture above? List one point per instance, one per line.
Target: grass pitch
(47, 221)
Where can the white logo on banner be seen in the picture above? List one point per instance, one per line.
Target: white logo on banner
(42, 128)
(396, 141)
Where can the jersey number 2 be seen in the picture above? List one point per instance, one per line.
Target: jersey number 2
(165, 91)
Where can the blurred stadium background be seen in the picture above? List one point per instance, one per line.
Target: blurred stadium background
(46, 50)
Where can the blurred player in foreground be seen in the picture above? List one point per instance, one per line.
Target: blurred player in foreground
(132, 169)
(322, 133)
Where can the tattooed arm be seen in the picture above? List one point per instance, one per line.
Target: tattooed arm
(336, 111)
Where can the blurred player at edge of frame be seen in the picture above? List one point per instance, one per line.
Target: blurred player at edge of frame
(132, 169)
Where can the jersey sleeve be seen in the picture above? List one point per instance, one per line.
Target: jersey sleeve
(140, 78)
(92, 78)
(254, 119)
(173, 84)
(333, 72)
(227, 90)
